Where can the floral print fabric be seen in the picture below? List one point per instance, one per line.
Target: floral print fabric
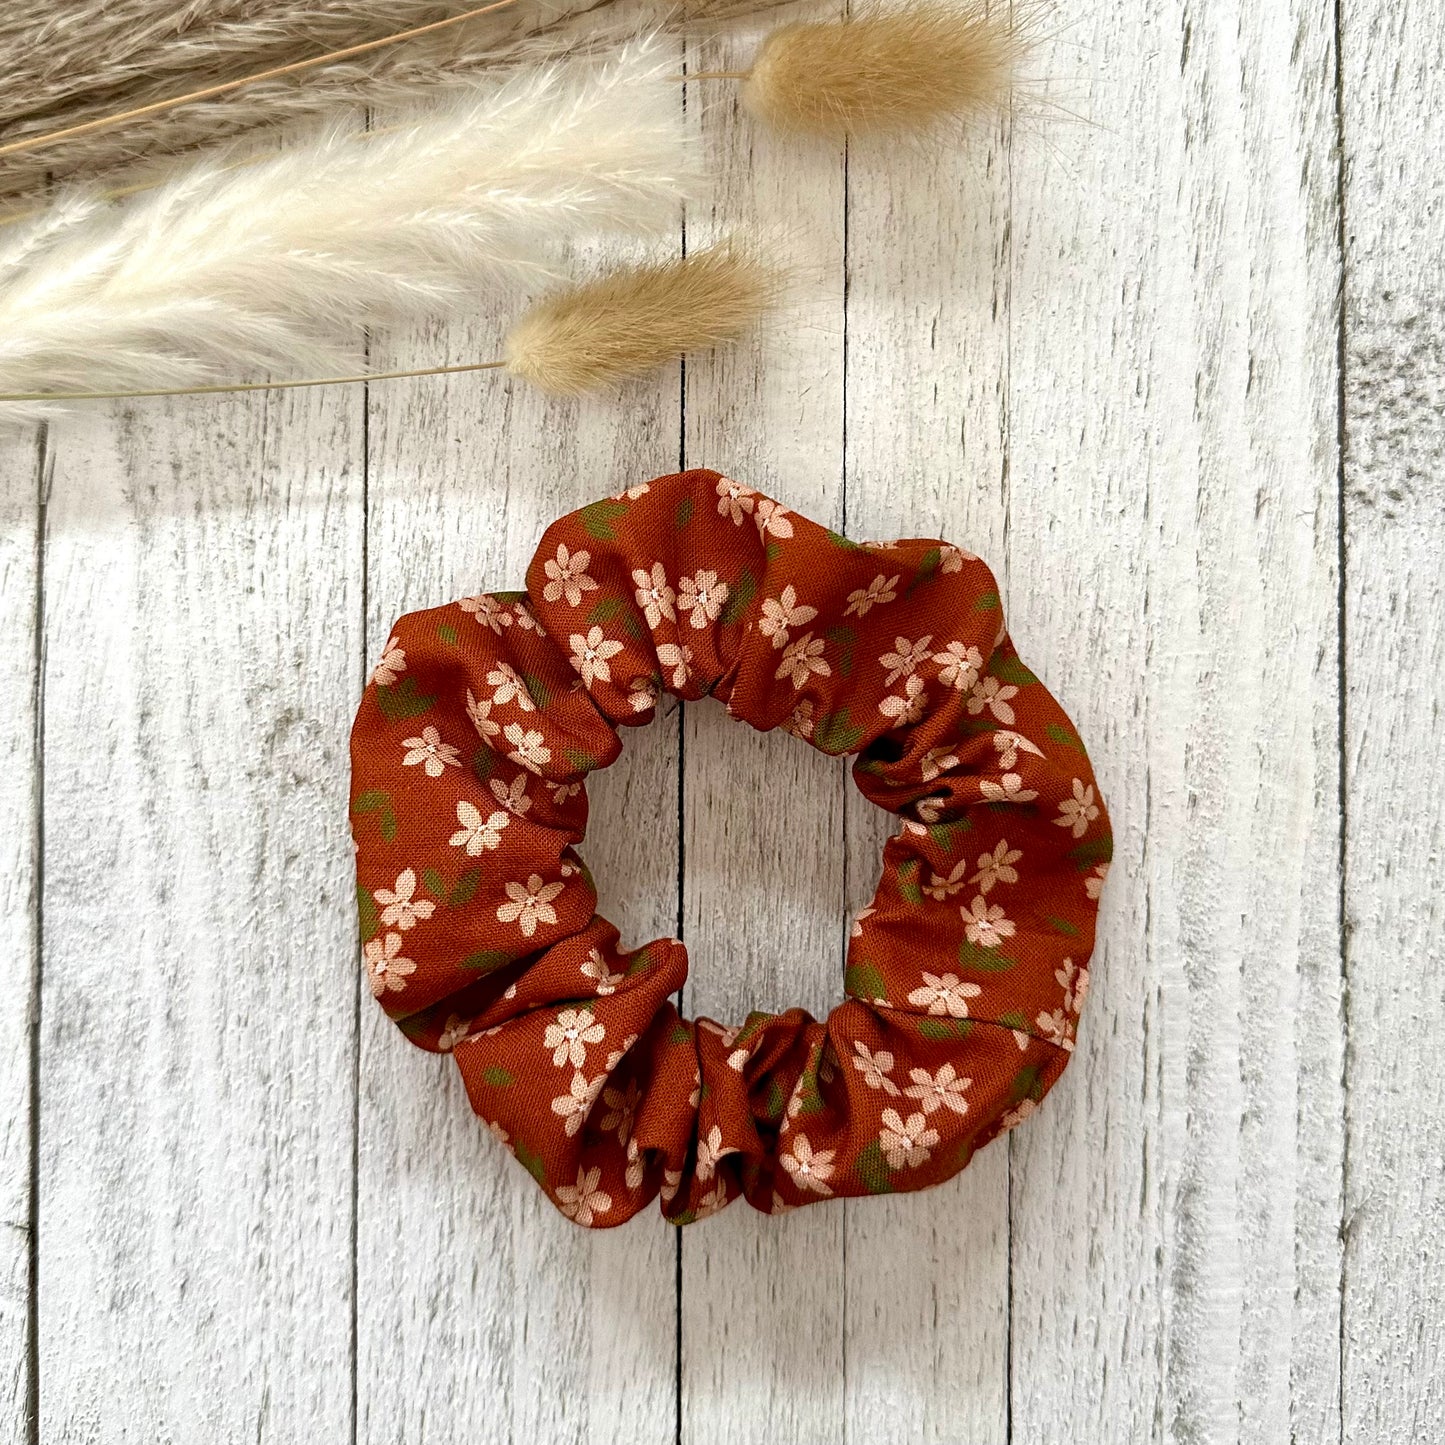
(964, 977)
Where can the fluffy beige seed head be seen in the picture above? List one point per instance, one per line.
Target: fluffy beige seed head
(886, 71)
(634, 320)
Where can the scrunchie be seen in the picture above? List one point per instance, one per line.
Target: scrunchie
(964, 977)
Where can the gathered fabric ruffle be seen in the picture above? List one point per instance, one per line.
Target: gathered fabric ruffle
(964, 977)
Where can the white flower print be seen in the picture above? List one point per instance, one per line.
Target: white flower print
(1094, 883)
(398, 908)
(530, 903)
(783, 612)
(856, 931)
(621, 1107)
(569, 1034)
(671, 1178)
(576, 1103)
(810, 1171)
(1057, 1028)
(951, 558)
(386, 969)
(562, 791)
(1074, 980)
(997, 867)
(528, 748)
(702, 597)
(569, 579)
(930, 810)
(453, 1032)
(488, 612)
(941, 888)
(1008, 789)
(709, 1152)
(617, 1055)
(985, 923)
(959, 665)
(498, 1133)
(590, 655)
(642, 693)
(992, 694)
(527, 619)
(935, 762)
(734, 500)
(477, 834)
(514, 798)
(772, 517)
(944, 994)
(638, 489)
(653, 595)
(738, 1058)
(1010, 745)
(943, 1090)
(800, 720)
(908, 708)
(678, 659)
(801, 659)
(481, 716)
(506, 684)
(715, 1199)
(636, 1166)
(875, 1068)
(877, 593)
(431, 752)
(906, 658)
(1015, 1116)
(584, 1201)
(595, 967)
(1080, 810)
(391, 666)
(906, 1142)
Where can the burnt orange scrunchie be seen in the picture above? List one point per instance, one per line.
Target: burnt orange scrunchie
(964, 977)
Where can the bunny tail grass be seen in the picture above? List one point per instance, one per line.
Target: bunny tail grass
(629, 322)
(887, 70)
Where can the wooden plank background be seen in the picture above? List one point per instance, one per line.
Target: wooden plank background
(1166, 348)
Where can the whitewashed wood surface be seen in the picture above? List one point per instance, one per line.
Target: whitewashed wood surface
(1168, 350)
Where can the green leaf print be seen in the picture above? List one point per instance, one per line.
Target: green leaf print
(939, 1030)
(448, 634)
(1009, 669)
(497, 1078)
(986, 602)
(379, 803)
(1095, 851)
(600, 519)
(367, 914)
(537, 690)
(927, 569)
(983, 960)
(486, 961)
(1062, 925)
(683, 515)
(863, 980)
(1064, 737)
(835, 733)
(1027, 1084)
(403, 700)
(740, 596)
(531, 1162)
(908, 885)
(844, 639)
(873, 1172)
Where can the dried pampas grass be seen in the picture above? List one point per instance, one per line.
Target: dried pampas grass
(887, 71)
(82, 61)
(275, 265)
(635, 320)
(584, 340)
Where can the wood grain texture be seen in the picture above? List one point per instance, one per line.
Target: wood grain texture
(22, 480)
(483, 1314)
(1175, 1259)
(763, 904)
(926, 1345)
(1394, 498)
(201, 629)
(1106, 355)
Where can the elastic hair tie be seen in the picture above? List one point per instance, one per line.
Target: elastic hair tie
(964, 977)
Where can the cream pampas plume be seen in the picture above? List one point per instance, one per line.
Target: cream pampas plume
(887, 70)
(86, 60)
(274, 265)
(587, 339)
(635, 320)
